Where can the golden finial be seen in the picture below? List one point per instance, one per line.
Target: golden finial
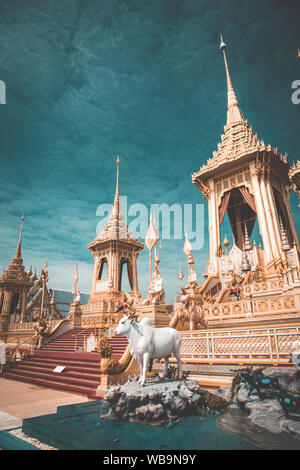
(222, 45)
(76, 278)
(226, 244)
(180, 273)
(187, 248)
(18, 252)
(116, 208)
(234, 113)
(298, 54)
(247, 243)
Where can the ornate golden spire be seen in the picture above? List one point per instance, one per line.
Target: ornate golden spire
(226, 244)
(116, 227)
(180, 273)
(116, 209)
(76, 278)
(234, 113)
(285, 246)
(247, 243)
(187, 245)
(18, 252)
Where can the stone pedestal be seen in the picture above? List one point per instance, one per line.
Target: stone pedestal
(158, 314)
(160, 401)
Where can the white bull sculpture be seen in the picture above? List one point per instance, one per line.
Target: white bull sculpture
(148, 343)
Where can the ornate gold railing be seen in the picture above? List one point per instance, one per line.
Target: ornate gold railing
(16, 344)
(251, 345)
(251, 308)
(76, 335)
(29, 325)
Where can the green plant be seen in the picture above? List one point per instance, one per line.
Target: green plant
(214, 402)
(172, 373)
(235, 382)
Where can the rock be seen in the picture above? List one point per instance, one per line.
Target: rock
(291, 426)
(253, 397)
(155, 402)
(242, 394)
(185, 393)
(142, 411)
(223, 392)
(294, 383)
(193, 386)
(265, 413)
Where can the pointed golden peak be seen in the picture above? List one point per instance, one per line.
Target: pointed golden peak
(226, 242)
(116, 208)
(18, 251)
(247, 243)
(187, 248)
(234, 113)
(222, 44)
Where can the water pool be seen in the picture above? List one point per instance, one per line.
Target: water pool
(80, 427)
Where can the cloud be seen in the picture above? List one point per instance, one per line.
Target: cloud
(87, 81)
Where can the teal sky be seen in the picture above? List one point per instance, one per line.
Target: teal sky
(89, 80)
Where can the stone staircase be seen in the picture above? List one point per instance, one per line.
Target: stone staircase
(82, 370)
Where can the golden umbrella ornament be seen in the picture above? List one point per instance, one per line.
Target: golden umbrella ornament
(150, 241)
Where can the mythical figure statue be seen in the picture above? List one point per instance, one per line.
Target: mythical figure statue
(189, 310)
(192, 279)
(40, 331)
(128, 305)
(156, 293)
(76, 300)
(233, 280)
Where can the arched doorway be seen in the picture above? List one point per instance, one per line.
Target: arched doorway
(103, 269)
(129, 274)
(13, 307)
(240, 207)
(1, 302)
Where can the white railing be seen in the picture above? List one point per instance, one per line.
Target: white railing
(265, 344)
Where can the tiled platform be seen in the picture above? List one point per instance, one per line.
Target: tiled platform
(23, 400)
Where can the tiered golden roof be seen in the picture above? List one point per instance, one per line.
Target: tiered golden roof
(16, 272)
(294, 175)
(116, 228)
(238, 140)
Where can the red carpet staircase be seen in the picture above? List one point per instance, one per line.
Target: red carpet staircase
(82, 370)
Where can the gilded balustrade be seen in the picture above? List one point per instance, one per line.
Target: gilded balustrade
(263, 344)
(29, 325)
(252, 307)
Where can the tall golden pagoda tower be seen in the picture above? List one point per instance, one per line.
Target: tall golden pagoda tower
(15, 283)
(113, 249)
(249, 181)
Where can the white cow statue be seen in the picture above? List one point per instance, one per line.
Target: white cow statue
(147, 343)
